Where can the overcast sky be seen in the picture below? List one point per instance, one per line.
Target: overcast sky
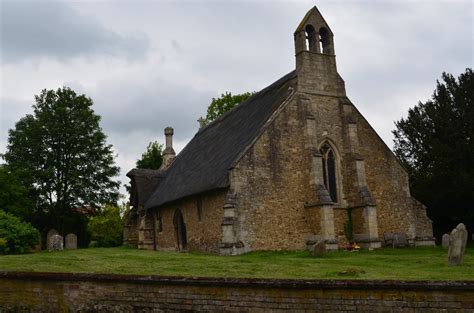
(151, 64)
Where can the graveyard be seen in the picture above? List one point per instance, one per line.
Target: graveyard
(421, 263)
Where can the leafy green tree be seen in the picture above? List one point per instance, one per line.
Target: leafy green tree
(60, 154)
(152, 157)
(106, 228)
(14, 198)
(223, 104)
(436, 144)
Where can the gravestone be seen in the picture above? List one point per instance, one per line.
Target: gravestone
(318, 249)
(400, 240)
(56, 243)
(388, 239)
(50, 234)
(457, 245)
(71, 241)
(445, 241)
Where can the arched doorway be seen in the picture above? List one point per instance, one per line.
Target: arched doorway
(180, 229)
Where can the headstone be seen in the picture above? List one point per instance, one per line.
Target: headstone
(457, 245)
(50, 234)
(71, 241)
(400, 240)
(318, 249)
(389, 239)
(445, 241)
(56, 243)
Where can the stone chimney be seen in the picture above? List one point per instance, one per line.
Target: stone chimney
(168, 154)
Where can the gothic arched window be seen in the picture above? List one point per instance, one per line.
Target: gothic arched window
(329, 170)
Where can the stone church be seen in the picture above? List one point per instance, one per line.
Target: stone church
(294, 164)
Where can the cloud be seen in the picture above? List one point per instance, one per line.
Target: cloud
(150, 105)
(51, 29)
(389, 53)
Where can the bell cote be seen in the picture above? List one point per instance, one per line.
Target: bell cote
(315, 56)
(313, 34)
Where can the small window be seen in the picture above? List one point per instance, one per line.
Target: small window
(329, 170)
(199, 208)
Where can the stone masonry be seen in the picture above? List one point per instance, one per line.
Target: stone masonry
(55, 292)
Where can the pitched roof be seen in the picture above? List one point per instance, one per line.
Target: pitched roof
(204, 163)
(144, 182)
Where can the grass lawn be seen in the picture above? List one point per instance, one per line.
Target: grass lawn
(406, 264)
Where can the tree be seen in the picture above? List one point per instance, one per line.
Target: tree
(14, 197)
(152, 157)
(60, 154)
(223, 104)
(436, 144)
(106, 228)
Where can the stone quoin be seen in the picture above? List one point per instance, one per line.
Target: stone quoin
(294, 164)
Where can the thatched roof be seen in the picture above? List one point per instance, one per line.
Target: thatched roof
(204, 163)
(143, 183)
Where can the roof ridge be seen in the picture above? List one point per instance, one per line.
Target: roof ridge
(140, 171)
(260, 93)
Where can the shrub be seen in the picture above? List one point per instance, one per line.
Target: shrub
(106, 228)
(3, 246)
(16, 236)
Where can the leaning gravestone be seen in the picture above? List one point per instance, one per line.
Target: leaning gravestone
(457, 245)
(56, 243)
(50, 234)
(318, 249)
(71, 241)
(445, 241)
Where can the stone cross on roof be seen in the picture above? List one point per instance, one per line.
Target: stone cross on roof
(202, 122)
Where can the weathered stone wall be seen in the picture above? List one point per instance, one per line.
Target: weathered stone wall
(272, 184)
(42, 292)
(145, 230)
(424, 225)
(317, 73)
(340, 219)
(273, 179)
(201, 235)
(388, 182)
(130, 229)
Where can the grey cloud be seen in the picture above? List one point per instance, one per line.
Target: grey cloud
(150, 105)
(55, 30)
(391, 53)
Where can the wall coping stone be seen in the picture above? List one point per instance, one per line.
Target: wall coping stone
(244, 282)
